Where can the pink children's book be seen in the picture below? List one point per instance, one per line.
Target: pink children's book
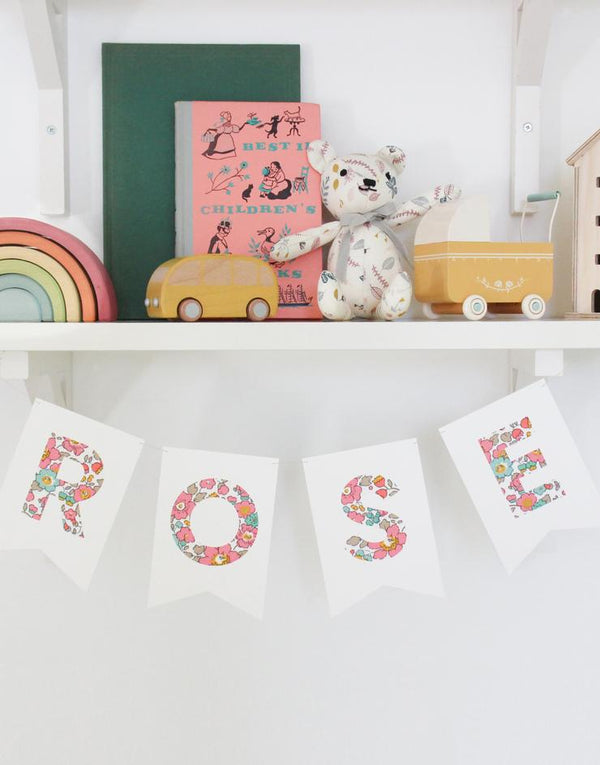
(242, 182)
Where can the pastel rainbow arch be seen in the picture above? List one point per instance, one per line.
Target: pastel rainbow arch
(23, 289)
(47, 272)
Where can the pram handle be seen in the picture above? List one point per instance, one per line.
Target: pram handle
(541, 196)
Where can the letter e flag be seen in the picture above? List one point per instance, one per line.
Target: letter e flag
(523, 471)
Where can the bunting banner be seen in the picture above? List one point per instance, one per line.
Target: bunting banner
(372, 522)
(523, 471)
(64, 486)
(213, 527)
(68, 476)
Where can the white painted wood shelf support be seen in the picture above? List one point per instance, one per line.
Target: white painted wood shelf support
(533, 19)
(47, 375)
(526, 365)
(45, 23)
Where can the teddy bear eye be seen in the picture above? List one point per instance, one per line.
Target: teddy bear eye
(388, 176)
(343, 172)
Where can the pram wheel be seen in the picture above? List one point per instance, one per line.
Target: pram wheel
(533, 306)
(428, 311)
(474, 307)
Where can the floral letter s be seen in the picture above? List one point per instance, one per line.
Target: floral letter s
(355, 496)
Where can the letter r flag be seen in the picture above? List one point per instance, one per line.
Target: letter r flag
(64, 487)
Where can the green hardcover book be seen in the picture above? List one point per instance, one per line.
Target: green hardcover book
(141, 83)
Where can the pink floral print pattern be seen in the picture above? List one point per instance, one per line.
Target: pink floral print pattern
(510, 473)
(47, 484)
(214, 488)
(355, 501)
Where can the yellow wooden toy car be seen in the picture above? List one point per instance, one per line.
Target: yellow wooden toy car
(213, 287)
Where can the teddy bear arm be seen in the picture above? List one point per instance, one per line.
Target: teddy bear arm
(294, 245)
(418, 206)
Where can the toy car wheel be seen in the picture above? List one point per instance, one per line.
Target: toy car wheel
(428, 311)
(189, 310)
(533, 306)
(258, 310)
(474, 307)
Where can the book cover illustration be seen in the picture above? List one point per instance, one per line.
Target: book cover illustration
(243, 181)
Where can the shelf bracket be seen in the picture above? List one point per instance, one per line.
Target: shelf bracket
(51, 377)
(45, 24)
(46, 375)
(533, 19)
(525, 366)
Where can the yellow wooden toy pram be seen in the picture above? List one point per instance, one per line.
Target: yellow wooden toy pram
(458, 270)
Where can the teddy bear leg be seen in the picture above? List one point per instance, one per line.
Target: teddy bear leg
(395, 301)
(331, 299)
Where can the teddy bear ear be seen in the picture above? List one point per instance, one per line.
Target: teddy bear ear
(320, 154)
(394, 155)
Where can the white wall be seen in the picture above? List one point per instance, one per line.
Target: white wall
(504, 670)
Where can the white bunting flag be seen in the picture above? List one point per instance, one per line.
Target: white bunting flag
(64, 487)
(372, 522)
(213, 527)
(523, 471)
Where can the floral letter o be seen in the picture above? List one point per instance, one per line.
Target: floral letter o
(354, 498)
(214, 488)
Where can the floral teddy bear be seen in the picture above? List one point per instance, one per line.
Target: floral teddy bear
(367, 268)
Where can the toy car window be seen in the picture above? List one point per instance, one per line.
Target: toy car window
(217, 272)
(266, 277)
(160, 273)
(244, 272)
(187, 273)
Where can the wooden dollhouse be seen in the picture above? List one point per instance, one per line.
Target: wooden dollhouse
(586, 228)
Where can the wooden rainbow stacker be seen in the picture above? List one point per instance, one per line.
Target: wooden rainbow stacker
(459, 270)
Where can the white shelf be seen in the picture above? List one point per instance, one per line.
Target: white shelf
(301, 336)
